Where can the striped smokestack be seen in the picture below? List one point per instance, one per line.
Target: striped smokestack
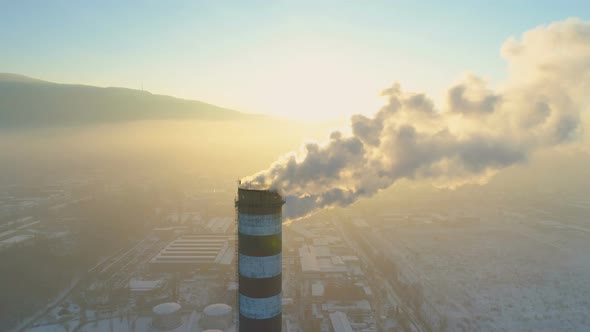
(259, 260)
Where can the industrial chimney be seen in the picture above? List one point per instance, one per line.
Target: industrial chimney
(259, 260)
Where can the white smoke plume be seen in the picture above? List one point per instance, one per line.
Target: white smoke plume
(477, 132)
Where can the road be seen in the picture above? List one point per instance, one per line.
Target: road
(107, 267)
(52, 305)
(379, 283)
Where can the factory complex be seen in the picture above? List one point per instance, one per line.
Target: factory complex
(247, 272)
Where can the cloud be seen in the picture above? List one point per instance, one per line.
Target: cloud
(479, 131)
(472, 96)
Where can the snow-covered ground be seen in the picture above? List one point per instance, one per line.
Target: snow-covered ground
(501, 273)
(124, 324)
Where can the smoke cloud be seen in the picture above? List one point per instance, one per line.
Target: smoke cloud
(475, 134)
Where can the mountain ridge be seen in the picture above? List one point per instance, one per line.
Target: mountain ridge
(12, 77)
(31, 102)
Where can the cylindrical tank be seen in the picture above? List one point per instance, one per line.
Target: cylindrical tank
(259, 260)
(166, 316)
(216, 316)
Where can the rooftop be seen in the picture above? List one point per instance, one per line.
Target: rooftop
(144, 285)
(197, 249)
(340, 322)
(166, 308)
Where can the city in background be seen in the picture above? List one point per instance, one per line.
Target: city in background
(433, 159)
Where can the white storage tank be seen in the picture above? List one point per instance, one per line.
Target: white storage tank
(166, 316)
(217, 316)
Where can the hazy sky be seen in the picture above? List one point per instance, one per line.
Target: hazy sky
(291, 58)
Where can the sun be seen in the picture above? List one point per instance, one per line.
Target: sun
(316, 87)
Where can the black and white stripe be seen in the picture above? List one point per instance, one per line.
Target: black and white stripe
(259, 260)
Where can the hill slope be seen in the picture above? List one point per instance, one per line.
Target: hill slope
(28, 102)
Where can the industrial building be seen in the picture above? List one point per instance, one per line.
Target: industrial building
(340, 322)
(195, 252)
(259, 260)
(144, 290)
